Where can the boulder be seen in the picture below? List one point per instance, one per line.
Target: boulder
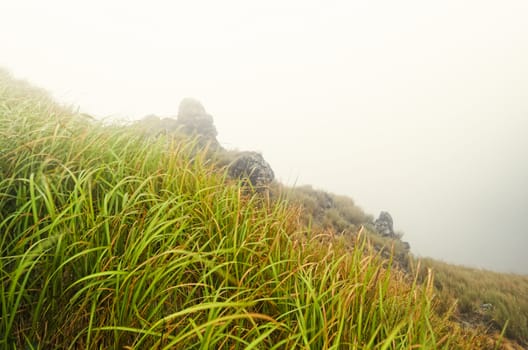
(190, 108)
(194, 120)
(384, 224)
(252, 166)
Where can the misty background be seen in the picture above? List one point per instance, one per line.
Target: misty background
(419, 108)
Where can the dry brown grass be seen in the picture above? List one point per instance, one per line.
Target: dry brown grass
(472, 288)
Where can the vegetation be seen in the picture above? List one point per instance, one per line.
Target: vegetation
(491, 300)
(110, 239)
(324, 210)
(483, 297)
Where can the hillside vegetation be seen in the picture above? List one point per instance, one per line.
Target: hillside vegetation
(110, 239)
(483, 297)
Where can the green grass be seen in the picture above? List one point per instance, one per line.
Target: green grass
(110, 239)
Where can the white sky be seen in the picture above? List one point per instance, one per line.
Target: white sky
(415, 107)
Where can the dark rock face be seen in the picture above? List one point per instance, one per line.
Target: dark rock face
(251, 165)
(384, 224)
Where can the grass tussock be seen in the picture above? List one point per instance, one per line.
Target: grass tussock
(110, 239)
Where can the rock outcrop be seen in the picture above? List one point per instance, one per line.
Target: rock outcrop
(384, 224)
(192, 120)
(154, 125)
(253, 167)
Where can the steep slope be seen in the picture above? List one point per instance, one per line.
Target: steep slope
(111, 239)
(486, 298)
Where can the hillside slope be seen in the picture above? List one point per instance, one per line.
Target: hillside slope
(110, 239)
(486, 298)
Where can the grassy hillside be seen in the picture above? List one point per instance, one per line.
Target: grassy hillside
(110, 239)
(483, 297)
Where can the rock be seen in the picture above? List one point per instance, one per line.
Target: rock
(486, 307)
(384, 224)
(326, 201)
(168, 124)
(189, 108)
(252, 166)
(155, 126)
(194, 120)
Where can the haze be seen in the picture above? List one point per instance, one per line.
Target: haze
(419, 108)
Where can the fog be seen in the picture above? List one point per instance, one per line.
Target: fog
(419, 108)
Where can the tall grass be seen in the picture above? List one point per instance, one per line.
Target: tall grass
(110, 239)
